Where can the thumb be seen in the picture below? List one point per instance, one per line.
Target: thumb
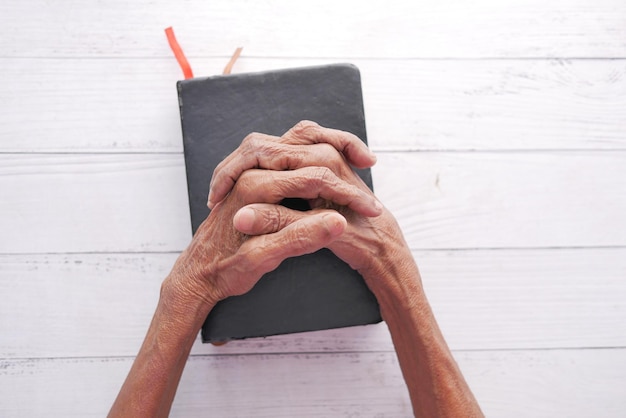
(267, 218)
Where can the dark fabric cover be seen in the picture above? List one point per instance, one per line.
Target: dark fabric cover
(311, 292)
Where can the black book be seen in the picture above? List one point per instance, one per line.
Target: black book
(311, 292)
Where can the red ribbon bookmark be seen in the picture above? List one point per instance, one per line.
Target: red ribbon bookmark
(178, 53)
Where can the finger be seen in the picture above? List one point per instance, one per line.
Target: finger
(228, 170)
(310, 233)
(266, 218)
(274, 153)
(265, 186)
(261, 151)
(355, 150)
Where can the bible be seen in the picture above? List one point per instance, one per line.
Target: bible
(307, 293)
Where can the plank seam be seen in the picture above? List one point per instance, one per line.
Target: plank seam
(475, 249)
(380, 150)
(337, 58)
(316, 353)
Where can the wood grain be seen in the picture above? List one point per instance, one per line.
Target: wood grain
(94, 305)
(501, 139)
(85, 203)
(499, 199)
(506, 383)
(126, 105)
(347, 29)
(117, 203)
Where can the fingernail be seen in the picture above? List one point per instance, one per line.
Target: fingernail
(244, 220)
(373, 155)
(335, 222)
(378, 206)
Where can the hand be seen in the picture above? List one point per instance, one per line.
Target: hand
(222, 261)
(372, 242)
(287, 152)
(374, 246)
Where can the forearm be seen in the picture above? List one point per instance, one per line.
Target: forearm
(436, 386)
(370, 241)
(153, 379)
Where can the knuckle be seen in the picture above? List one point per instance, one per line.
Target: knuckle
(273, 220)
(250, 137)
(300, 237)
(332, 157)
(245, 263)
(258, 260)
(248, 181)
(247, 177)
(252, 141)
(321, 176)
(268, 149)
(305, 128)
(293, 161)
(261, 150)
(326, 175)
(327, 150)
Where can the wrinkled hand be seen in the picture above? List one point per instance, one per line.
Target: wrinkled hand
(287, 152)
(371, 242)
(222, 261)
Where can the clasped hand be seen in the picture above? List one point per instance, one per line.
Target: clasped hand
(248, 233)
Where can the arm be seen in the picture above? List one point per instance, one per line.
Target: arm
(221, 262)
(153, 379)
(376, 248)
(435, 383)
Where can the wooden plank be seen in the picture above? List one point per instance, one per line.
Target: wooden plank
(496, 105)
(528, 299)
(572, 383)
(119, 203)
(90, 105)
(85, 203)
(83, 78)
(348, 29)
(124, 105)
(499, 199)
(90, 305)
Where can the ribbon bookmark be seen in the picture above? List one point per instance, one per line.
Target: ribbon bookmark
(178, 53)
(230, 64)
(182, 60)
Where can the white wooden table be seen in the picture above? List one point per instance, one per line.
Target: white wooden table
(500, 128)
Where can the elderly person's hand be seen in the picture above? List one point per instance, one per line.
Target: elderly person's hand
(287, 152)
(373, 245)
(248, 233)
(222, 261)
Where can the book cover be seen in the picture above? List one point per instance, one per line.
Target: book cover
(311, 292)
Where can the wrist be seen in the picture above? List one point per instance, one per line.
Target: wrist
(392, 274)
(184, 305)
(396, 284)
